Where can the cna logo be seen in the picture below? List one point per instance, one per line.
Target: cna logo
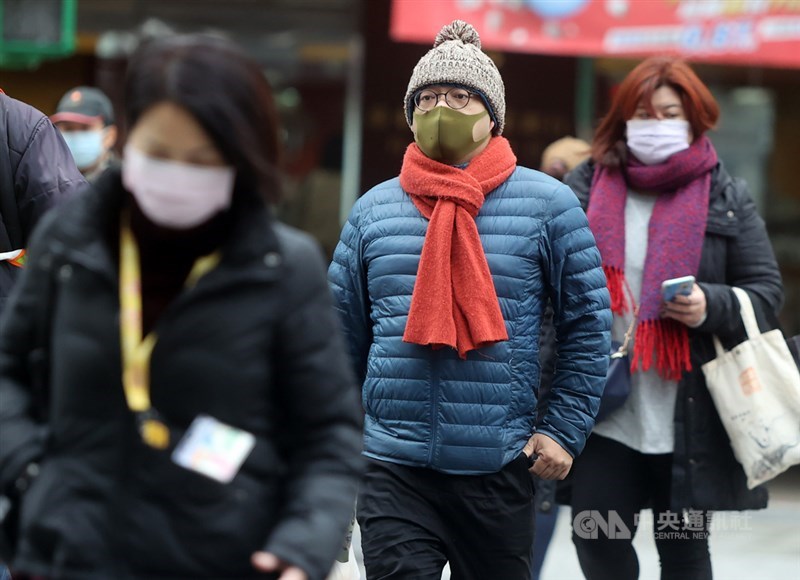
(668, 525)
(588, 524)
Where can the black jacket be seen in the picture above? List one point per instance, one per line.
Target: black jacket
(736, 252)
(36, 170)
(255, 344)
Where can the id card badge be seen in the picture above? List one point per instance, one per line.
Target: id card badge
(213, 449)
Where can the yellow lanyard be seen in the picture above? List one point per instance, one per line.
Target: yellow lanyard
(136, 351)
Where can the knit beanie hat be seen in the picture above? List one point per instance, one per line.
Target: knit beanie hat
(456, 59)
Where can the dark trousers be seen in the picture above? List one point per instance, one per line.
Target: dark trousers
(610, 481)
(414, 520)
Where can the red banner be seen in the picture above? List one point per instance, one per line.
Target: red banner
(743, 32)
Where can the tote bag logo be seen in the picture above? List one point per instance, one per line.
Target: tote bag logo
(748, 381)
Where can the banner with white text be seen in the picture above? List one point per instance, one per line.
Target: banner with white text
(741, 32)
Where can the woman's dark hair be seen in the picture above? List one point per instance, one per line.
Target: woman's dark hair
(224, 90)
(699, 105)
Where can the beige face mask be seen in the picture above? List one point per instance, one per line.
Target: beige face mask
(448, 136)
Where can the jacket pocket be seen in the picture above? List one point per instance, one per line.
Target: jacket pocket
(58, 520)
(206, 532)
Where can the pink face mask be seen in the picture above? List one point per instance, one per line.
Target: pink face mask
(173, 194)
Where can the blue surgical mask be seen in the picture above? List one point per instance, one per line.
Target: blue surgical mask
(86, 147)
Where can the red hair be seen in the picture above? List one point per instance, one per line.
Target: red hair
(699, 105)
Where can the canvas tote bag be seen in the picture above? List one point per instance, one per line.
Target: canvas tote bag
(756, 389)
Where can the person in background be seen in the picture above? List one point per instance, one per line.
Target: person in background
(85, 117)
(662, 206)
(564, 155)
(196, 416)
(558, 158)
(441, 278)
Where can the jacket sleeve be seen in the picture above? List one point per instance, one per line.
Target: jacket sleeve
(582, 320)
(23, 360)
(348, 282)
(750, 265)
(323, 425)
(579, 181)
(45, 174)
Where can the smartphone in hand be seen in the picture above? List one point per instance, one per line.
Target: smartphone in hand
(671, 288)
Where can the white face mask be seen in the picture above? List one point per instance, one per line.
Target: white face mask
(176, 195)
(653, 141)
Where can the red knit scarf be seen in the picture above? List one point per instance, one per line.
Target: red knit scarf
(674, 244)
(454, 301)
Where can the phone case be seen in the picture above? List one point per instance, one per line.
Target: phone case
(671, 288)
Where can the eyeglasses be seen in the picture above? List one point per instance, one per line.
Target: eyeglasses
(455, 98)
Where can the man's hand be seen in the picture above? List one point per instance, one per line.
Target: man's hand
(690, 310)
(552, 461)
(266, 562)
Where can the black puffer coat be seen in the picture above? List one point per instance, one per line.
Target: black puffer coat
(255, 344)
(36, 170)
(736, 252)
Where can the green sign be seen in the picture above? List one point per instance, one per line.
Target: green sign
(34, 30)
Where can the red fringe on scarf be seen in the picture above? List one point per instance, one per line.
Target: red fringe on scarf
(615, 279)
(665, 342)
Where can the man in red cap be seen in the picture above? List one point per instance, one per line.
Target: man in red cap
(85, 118)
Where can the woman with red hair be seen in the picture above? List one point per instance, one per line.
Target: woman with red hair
(661, 206)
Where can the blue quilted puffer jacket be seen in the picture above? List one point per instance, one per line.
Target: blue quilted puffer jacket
(428, 408)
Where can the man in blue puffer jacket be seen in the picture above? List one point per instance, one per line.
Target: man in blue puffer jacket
(441, 278)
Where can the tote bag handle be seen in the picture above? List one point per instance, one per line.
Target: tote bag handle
(748, 318)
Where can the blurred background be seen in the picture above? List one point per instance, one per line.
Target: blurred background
(340, 69)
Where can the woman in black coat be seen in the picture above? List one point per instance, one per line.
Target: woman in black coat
(661, 207)
(175, 397)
